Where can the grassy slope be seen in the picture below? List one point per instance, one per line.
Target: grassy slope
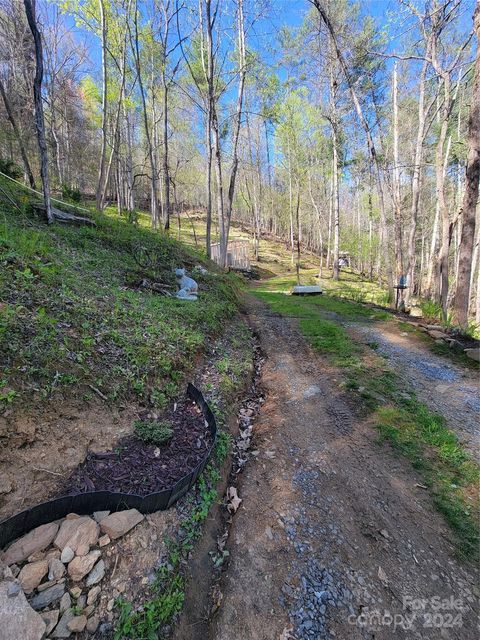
(68, 316)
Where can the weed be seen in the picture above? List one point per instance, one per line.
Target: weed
(153, 432)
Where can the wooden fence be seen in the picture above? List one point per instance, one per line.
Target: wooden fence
(238, 254)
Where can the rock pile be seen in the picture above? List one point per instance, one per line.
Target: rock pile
(50, 578)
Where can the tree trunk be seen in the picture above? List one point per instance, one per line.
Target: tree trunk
(103, 152)
(37, 96)
(166, 168)
(469, 204)
(371, 145)
(396, 179)
(236, 132)
(417, 161)
(16, 131)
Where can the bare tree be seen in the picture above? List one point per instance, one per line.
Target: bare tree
(371, 144)
(30, 10)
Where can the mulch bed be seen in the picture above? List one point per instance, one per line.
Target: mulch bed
(139, 468)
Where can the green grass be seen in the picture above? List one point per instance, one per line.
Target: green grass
(72, 315)
(407, 424)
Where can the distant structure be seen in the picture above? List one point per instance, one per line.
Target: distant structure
(238, 254)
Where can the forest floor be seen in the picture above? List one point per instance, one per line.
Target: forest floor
(337, 535)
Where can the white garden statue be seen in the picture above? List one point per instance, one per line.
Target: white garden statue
(188, 287)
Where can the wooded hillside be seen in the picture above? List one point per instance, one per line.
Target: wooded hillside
(354, 132)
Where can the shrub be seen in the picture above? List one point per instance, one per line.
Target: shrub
(70, 193)
(10, 169)
(153, 432)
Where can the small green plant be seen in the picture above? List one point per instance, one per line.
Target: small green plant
(71, 193)
(153, 432)
(431, 309)
(10, 169)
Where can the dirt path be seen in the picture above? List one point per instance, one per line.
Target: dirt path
(332, 528)
(448, 388)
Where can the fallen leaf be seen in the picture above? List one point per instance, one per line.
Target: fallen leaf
(233, 500)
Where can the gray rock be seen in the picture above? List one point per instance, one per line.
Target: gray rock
(77, 624)
(96, 574)
(81, 601)
(18, 621)
(98, 516)
(67, 555)
(93, 595)
(34, 541)
(92, 624)
(56, 569)
(65, 602)
(473, 354)
(62, 630)
(47, 597)
(50, 618)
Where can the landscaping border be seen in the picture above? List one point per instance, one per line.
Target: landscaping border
(87, 503)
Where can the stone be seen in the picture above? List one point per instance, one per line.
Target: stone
(48, 597)
(93, 595)
(65, 602)
(77, 624)
(31, 575)
(53, 553)
(103, 541)
(15, 569)
(81, 565)
(5, 484)
(92, 624)
(121, 586)
(82, 550)
(34, 541)
(35, 557)
(77, 532)
(89, 610)
(98, 516)
(81, 602)
(72, 516)
(75, 592)
(117, 524)
(96, 574)
(110, 604)
(105, 628)
(50, 583)
(13, 589)
(437, 335)
(473, 354)
(56, 569)
(67, 555)
(18, 621)
(62, 630)
(50, 618)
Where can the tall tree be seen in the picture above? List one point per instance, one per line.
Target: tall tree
(470, 198)
(30, 10)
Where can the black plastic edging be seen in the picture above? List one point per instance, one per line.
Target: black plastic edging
(87, 503)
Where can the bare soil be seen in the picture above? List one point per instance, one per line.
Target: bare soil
(42, 444)
(335, 537)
